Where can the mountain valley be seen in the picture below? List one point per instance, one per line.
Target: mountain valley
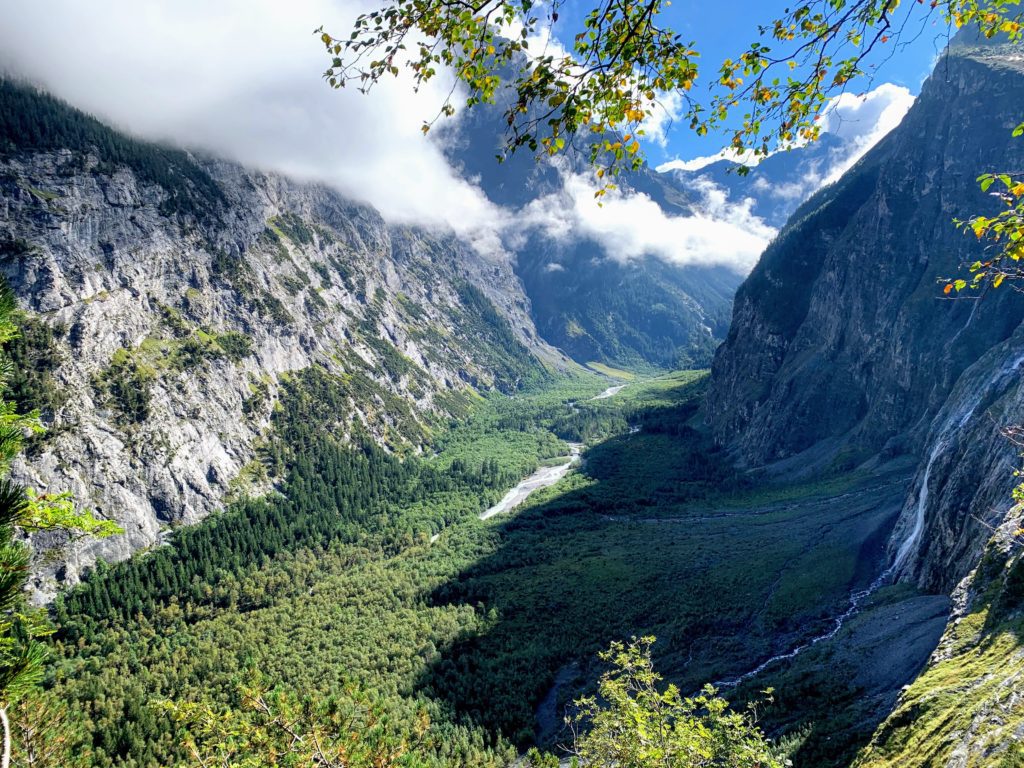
(305, 417)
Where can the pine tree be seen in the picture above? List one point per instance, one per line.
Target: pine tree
(22, 627)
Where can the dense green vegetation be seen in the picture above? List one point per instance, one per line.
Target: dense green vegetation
(969, 694)
(334, 581)
(332, 492)
(33, 121)
(635, 720)
(353, 508)
(22, 510)
(34, 356)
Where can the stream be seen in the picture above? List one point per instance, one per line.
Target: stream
(545, 476)
(542, 478)
(911, 539)
(852, 609)
(610, 392)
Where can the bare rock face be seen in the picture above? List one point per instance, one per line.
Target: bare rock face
(841, 333)
(961, 492)
(844, 353)
(174, 331)
(843, 349)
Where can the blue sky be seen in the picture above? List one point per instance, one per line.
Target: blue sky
(722, 29)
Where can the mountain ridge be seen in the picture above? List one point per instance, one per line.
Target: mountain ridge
(193, 320)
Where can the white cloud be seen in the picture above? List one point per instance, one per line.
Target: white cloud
(697, 163)
(630, 225)
(241, 78)
(861, 121)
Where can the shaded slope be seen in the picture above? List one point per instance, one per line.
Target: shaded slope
(592, 304)
(840, 340)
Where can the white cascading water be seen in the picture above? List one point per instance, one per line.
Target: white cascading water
(953, 423)
(914, 536)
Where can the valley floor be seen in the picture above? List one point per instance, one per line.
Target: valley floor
(491, 626)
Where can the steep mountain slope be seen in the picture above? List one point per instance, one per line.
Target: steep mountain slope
(597, 303)
(841, 342)
(843, 353)
(170, 296)
(592, 304)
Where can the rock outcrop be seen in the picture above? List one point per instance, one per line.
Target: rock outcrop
(173, 328)
(844, 353)
(843, 348)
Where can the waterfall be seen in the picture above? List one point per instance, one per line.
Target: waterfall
(914, 536)
(950, 426)
(944, 436)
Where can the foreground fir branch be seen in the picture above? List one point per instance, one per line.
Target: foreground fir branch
(22, 627)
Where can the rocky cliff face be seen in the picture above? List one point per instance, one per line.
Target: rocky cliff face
(843, 348)
(842, 345)
(844, 352)
(172, 330)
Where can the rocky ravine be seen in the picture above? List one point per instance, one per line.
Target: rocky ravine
(174, 331)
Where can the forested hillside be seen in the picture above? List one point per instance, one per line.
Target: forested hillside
(171, 296)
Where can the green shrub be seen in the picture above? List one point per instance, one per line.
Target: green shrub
(235, 345)
(126, 384)
(35, 356)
